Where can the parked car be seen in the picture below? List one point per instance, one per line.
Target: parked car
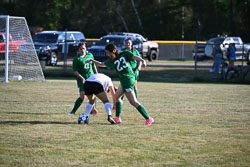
(204, 51)
(52, 46)
(13, 44)
(147, 49)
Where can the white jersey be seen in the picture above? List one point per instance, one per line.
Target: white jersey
(102, 79)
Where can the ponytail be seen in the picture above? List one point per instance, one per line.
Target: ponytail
(111, 47)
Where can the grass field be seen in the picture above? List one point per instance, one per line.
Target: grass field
(196, 124)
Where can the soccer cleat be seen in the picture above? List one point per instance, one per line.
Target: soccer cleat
(111, 120)
(118, 120)
(149, 121)
(71, 112)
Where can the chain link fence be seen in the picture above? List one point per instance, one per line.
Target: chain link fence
(179, 51)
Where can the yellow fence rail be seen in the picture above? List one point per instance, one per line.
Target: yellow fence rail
(159, 41)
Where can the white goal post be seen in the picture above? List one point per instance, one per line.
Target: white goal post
(18, 58)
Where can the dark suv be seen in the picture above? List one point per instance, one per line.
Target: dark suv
(147, 49)
(52, 46)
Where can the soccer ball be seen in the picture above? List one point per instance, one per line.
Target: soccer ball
(83, 119)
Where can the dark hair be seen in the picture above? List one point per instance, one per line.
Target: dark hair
(129, 39)
(80, 44)
(111, 47)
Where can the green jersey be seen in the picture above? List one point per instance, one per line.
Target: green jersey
(80, 65)
(133, 62)
(85, 69)
(124, 69)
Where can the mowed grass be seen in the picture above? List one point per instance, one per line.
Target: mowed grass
(196, 124)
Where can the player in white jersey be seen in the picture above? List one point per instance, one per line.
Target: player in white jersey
(97, 85)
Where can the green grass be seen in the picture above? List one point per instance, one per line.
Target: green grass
(196, 124)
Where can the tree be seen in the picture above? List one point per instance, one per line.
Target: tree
(137, 16)
(156, 19)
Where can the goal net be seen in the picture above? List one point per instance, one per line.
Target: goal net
(18, 58)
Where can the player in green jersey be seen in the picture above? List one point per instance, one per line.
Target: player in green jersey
(136, 66)
(119, 61)
(82, 71)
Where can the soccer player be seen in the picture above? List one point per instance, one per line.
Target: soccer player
(82, 71)
(97, 85)
(136, 66)
(119, 61)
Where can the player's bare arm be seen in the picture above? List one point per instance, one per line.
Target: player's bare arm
(78, 75)
(144, 64)
(95, 69)
(98, 63)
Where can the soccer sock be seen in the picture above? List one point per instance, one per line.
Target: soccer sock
(108, 108)
(143, 111)
(122, 97)
(88, 108)
(78, 103)
(118, 110)
(135, 93)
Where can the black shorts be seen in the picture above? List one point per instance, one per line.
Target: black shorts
(92, 88)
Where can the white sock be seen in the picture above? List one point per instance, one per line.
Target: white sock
(108, 108)
(88, 108)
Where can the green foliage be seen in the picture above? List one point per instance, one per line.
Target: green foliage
(161, 19)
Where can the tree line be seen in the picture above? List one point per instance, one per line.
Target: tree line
(155, 19)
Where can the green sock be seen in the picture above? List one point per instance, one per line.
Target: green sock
(136, 93)
(118, 109)
(143, 111)
(78, 103)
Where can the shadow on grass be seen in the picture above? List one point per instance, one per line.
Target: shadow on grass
(53, 123)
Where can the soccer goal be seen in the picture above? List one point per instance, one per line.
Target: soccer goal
(18, 58)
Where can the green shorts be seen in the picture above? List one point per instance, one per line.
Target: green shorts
(127, 84)
(80, 85)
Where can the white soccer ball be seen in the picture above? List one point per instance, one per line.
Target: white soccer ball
(83, 119)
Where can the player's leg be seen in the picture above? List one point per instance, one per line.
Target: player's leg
(89, 105)
(142, 110)
(94, 111)
(119, 104)
(108, 108)
(135, 89)
(78, 101)
(136, 81)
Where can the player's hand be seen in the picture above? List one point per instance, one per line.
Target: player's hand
(94, 111)
(144, 64)
(139, 68)
(83, 80)
(113, 109)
